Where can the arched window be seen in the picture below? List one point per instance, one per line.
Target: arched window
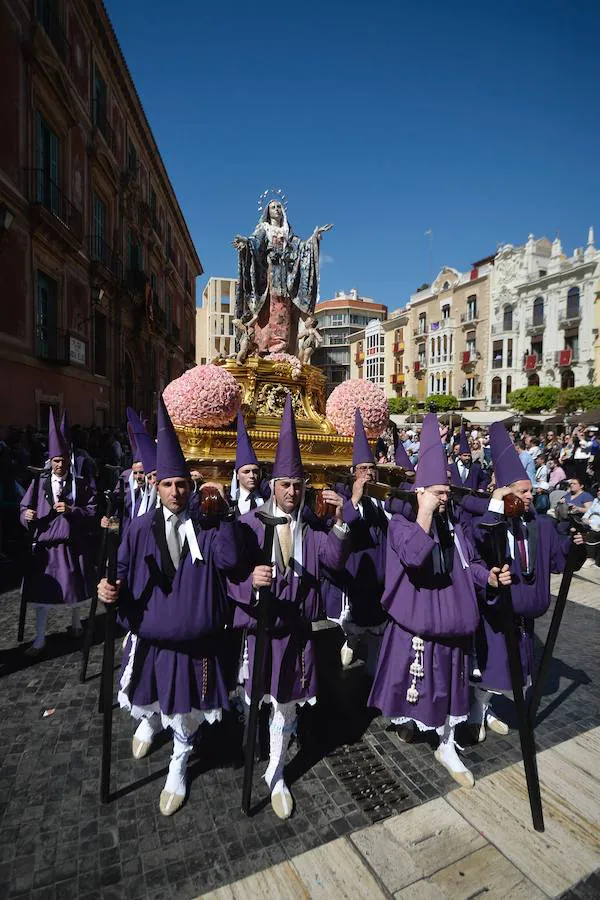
(533, 380)
(507, 319)
(567, 379)
(538, 311)
(573, 303)
(496, 391)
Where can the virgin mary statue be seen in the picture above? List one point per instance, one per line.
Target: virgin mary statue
(278, 280)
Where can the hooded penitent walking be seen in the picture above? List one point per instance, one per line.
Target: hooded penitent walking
(431, 574)
(58, 510)
(171, 597)
(299, 553)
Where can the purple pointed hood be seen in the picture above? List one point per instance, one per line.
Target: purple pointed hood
(505, 457)
(57, 446)
(288, 462)
(432, 467)
(170, 461)
(464, 441)
(361, 451)
(134, 428)
(244, 452)
(65, 428)
(401, 457)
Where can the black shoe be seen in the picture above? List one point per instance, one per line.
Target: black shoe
(406, 732)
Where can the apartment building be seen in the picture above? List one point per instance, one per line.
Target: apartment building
(97, 264)
(215, 333)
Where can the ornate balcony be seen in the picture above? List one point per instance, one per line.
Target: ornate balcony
(531, 362)
(569, 317)
(535, 325)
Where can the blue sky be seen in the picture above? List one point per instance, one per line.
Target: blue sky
(479, 120)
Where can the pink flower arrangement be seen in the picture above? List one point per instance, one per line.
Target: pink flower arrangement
(370, 399)
(295, 364)
(203, 397)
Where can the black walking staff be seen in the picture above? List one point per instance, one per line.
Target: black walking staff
(573, 563)
(264, 596)
(89, 632)
(498, 534)
(108, 659)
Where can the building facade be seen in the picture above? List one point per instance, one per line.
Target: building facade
(215, 332)
(97, 264)
(381, 353)
(543, 317)
(338, 319)
(449, 331)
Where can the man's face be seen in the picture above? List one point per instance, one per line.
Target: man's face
(465, 459)
(151, 478)
(248, 477)
(174, 493)
(287, 493)
(368, 471)
(442, 492)
(195, 475)
(137, 470)
(522, 489)
(60, 464)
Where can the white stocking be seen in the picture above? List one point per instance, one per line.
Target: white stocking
(41, 617)
(182, 750)
(281, 725)
(447, 748)
(148, 728)
(480, 701)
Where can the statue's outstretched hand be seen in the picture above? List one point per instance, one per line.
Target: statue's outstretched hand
(321, 229)
(239, 242)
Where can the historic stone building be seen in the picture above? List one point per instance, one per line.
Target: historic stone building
(543, 317)
(97, 266)
(381, 353)
(449, 329)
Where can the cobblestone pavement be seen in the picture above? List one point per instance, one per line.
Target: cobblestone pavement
(58, 841)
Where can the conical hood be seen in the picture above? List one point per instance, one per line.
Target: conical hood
(464, 441)
(65, 428)
(134, 429)
(288, 462)
(432, 467)
(57, 446)
(170, 461)
(361, 451)
(401, 457)
(507, 465)
(244, 453)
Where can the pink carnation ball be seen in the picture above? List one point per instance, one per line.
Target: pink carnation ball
(203, 397)
(370, 399)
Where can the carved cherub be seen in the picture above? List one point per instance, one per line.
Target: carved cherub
(309, 340)
(245, 330)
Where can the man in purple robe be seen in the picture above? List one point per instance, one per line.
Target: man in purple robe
(172, 599)
(466, 471)
(248, 491)
(352, 597)
(535, 550)
(299, 553)
(58, 510)
(431, 574)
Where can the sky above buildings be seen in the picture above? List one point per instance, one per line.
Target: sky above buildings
(477, 120)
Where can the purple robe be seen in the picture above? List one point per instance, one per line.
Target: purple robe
(178, 615)
(530, 596)
(478, 480)
(61, 569)
(290, 672)
(441, 609)
(362, 579)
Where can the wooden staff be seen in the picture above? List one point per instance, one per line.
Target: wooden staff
(498, 534)
(264, 597)
(89, 631)
(108, 659)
